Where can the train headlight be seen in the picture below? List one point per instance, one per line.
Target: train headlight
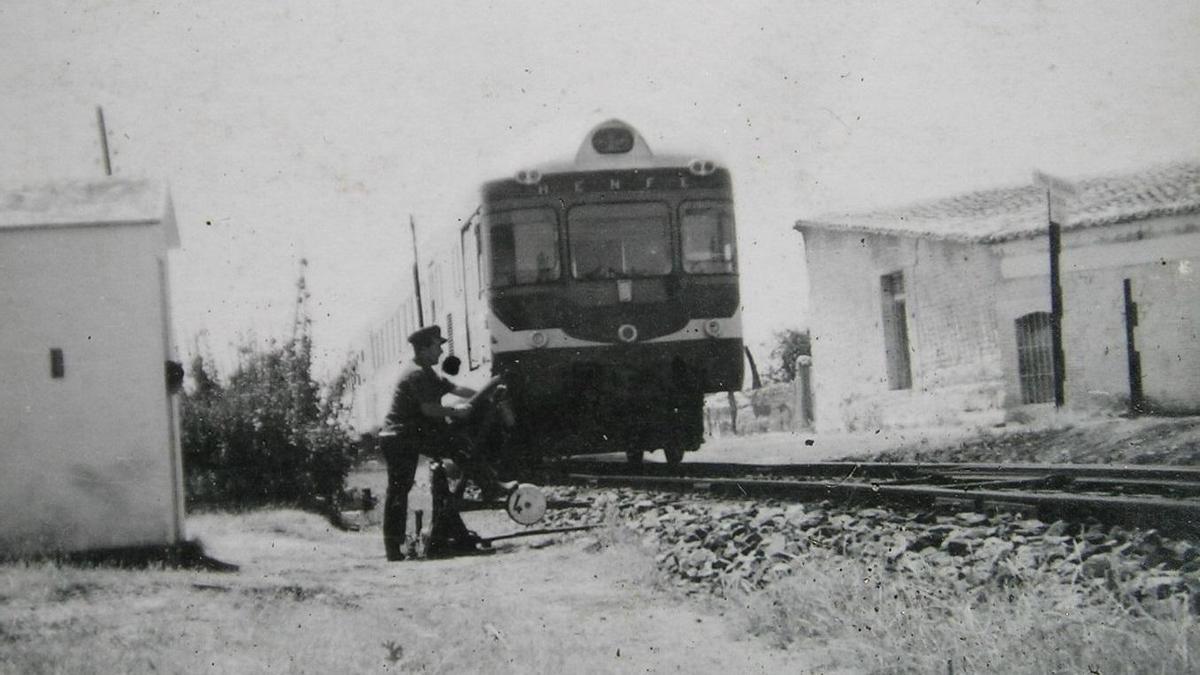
(627, 332)
(712, 328)
(702, 167)
(538, 339)
(529, 177)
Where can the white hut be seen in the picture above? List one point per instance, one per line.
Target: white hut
(89, 440)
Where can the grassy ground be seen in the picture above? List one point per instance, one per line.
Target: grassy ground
(886, 623)
(309, 599)
(312, 599)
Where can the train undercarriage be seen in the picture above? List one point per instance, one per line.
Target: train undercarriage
(592, 406)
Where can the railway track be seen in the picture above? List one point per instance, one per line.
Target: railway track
(1166, 498)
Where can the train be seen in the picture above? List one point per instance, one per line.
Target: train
(604, 290)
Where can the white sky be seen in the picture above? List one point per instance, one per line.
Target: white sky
(313, 129)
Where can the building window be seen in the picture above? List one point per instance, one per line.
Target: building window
(1035, 358)
(895, 330)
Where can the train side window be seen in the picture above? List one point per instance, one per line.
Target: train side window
(523, 246)
(707, 231)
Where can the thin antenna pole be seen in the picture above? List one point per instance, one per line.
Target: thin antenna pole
(412, 226)
(103, 140)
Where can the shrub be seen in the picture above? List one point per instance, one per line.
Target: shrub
(790, 344)
(270, 434)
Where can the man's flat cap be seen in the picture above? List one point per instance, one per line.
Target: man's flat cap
(426, 336)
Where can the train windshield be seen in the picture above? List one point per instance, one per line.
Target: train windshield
(706, 229)
(524, 246)
(619, 240)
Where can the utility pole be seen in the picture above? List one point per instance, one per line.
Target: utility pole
(1058, 191)
(1056, 313)
(412, 226)
(103, 140)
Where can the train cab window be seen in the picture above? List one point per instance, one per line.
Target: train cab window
(523, 246)
(706, 229)
(609, 241)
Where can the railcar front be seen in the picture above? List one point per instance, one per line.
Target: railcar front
(612, 297)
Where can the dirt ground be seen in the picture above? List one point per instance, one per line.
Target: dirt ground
(1065, 438)
(572, 589)
(309, 598)
(574, 604)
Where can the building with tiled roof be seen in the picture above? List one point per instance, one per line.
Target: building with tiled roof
(940, 311)
(1020, 212)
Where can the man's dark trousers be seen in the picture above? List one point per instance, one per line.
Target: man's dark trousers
(401, 461)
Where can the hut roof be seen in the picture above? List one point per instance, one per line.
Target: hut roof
(79, 203)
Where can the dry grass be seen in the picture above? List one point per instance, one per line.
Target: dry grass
(308, 599)
(59, 619)
(880, 622)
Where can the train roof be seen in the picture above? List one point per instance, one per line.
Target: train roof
(614, 144)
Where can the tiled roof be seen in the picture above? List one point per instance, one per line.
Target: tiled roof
(82, 202)
(1016, 212)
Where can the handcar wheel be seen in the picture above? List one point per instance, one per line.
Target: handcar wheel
(673, 455)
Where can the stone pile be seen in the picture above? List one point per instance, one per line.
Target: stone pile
(720, 545)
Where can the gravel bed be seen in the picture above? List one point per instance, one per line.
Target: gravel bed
(707, 545)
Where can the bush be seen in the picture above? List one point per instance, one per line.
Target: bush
(271, 434)
(789, 345)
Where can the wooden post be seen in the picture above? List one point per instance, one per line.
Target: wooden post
(1134, 358)
(1058, 194)
(103, 140)
(1056, 316)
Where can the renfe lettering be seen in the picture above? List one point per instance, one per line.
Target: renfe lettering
(629, 181)
(580, 186)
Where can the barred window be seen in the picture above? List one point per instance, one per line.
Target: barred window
(1035, 358)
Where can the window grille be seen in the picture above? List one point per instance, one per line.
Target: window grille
(895, 330)
(1035, 358)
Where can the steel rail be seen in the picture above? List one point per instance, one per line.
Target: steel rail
(895, 470)
(1173, 516)
(1106, 483)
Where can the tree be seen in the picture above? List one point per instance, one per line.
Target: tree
(789, 345)
(271, 433)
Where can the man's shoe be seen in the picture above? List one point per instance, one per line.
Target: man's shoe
(396, 557)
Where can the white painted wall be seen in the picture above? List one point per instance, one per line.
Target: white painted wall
(90, 460)
(963, 301)
(1161, 258)
(957, 367)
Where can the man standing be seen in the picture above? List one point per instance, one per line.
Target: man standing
(416, 426)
